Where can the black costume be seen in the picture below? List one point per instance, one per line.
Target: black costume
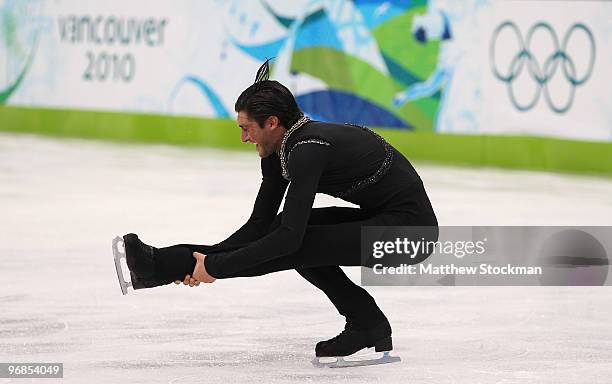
(345, 161)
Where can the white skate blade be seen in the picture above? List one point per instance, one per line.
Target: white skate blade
(354, 361)
(118, 255)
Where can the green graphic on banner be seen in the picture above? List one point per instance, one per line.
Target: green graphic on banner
(19, 39)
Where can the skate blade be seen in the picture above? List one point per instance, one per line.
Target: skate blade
(118, 255)
(353, 361)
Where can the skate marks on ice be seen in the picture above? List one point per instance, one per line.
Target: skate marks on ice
(33, 335)
(30, 327)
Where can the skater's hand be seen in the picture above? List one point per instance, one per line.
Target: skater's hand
(188, 281)
(199, 272)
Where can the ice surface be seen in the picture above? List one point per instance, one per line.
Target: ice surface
(63, 201)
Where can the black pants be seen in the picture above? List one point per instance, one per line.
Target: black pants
(332, 239)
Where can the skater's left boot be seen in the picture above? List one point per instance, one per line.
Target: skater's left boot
(353, 339)
(342, 348)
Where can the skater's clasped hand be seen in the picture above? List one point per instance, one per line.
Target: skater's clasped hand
(190, 281)
(199, 275)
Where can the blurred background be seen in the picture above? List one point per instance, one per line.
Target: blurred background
(118, 116)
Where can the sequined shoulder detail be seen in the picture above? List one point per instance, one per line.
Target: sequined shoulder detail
(380, 172)
(281, 153)
(306, 141)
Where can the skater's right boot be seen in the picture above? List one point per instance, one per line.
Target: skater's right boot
(140, 260)
(151, 267)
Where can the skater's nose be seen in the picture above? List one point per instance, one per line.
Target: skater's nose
(244, 136)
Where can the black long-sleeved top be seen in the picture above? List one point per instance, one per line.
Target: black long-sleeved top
(344, 161)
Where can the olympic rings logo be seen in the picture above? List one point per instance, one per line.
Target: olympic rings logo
(542, 74)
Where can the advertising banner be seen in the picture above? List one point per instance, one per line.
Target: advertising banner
(469, 67)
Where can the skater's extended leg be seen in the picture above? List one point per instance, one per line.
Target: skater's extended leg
(322, 245)
(173, 263)
(150, 266)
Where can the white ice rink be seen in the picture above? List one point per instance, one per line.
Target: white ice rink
(62, 202)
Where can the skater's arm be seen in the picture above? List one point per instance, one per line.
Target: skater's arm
(269, 197)
(306, 164)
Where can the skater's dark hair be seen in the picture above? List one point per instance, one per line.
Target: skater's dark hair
(267, 98)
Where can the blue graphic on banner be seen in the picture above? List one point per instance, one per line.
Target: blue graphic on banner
(339, 106)
(260, 52)
(211, 96)
(317, 31)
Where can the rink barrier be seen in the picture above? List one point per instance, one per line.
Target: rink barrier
(516, 152)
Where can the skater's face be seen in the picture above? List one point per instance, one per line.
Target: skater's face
(267, 139)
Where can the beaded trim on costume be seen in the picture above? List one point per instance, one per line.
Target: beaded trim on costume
(308, 141)
(281, 153)
(382, 170)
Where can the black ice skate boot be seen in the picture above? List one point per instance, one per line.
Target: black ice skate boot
(352, 340)
(141, 263)
(139, 256)
(151, 267)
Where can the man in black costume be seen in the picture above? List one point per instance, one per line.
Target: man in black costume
(303, 157)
